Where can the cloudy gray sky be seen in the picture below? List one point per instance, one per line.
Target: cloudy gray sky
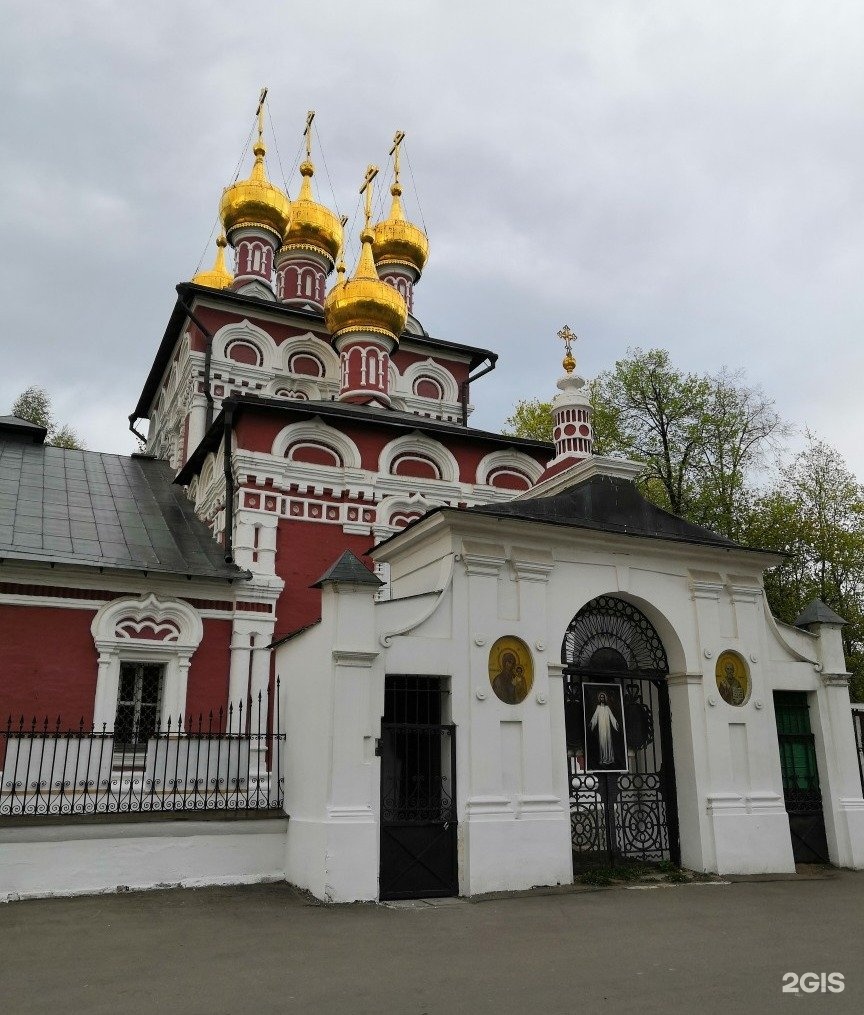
(681, 174)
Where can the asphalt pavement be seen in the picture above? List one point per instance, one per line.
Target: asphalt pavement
(694, 948)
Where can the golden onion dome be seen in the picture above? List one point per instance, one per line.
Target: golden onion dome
(217, 277)
(256, 201)
(398, 241)
(313, 226)
(364, 302)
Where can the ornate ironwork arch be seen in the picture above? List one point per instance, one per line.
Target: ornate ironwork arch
(610, 634)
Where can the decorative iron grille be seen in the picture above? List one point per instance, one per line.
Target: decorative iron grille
(227, 760)
(628, 814)
(608, 627)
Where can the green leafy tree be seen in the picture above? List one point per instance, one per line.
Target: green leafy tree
(34, 405)
(815, 514)
(700, 437)
(648, 410)
(531, 418)
(705, 441)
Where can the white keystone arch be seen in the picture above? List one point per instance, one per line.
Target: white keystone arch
(422, 445)
(245, 331)
(144, 629)
(508, 458)
(429, 368)
(294, 382)
(315, 347)
(318, 432)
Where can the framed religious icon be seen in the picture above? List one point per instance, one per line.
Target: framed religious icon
(733, 680)
(511, 669)
(605, 735)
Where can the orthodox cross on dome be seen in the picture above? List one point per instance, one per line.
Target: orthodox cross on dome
(568, 338)
(366, 189)
(307, 132)
(259, 112)
(398, 138)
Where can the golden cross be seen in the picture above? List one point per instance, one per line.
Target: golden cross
(307, 133)
(366, 189)
(568, 338)
(260, 111)
(398, 138)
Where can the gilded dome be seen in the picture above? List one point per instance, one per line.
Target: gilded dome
(313, 226)
(217, 277)
(364, 302)
(256, 201)
(398, 241)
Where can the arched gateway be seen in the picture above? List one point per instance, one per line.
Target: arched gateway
(619, 741)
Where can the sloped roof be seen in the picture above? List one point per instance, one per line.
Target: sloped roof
(101, 510)
(818, 613)
(22, 429)
(350, 570)
(608, 504)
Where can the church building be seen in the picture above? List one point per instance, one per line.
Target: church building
(376, 651)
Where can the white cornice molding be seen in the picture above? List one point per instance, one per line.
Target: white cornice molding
(596, 465)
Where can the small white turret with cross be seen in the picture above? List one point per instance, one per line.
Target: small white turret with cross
(571, 410)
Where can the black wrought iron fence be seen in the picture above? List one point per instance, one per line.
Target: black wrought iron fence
(225, 760)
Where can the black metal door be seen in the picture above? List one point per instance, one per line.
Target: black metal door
(418, 799)
(801, 789)
(633, 814)
(630, 814)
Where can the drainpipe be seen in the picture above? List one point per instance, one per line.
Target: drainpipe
(133, 419)
(465, 385)
(228, 411)
(208, 353)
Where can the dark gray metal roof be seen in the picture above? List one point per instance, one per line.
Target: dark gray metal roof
(100, 510)
(22, 429)
(818, 613)
(350, 570)
(609, 504)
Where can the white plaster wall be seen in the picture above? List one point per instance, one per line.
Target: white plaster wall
(467, 580)
(333, 700)
(56, 860)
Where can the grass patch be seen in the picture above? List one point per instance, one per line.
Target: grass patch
(600, 877)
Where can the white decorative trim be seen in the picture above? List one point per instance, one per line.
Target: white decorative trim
(317, 431)
(422, 445)
(115, 644)
(413, 503)
(508, 458)
(312, 344)
(430, 368)
(354, 658)
(245, 331)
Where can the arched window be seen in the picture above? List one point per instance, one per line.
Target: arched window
(428, 387)
(313, 453)
(244, 352)
(145, 646)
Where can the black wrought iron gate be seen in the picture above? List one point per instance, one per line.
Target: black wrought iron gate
(418, 796)
(801, 790)
(630, 814)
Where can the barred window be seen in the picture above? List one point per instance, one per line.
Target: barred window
(139, 702)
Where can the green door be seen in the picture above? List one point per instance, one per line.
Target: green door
(800, 777)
